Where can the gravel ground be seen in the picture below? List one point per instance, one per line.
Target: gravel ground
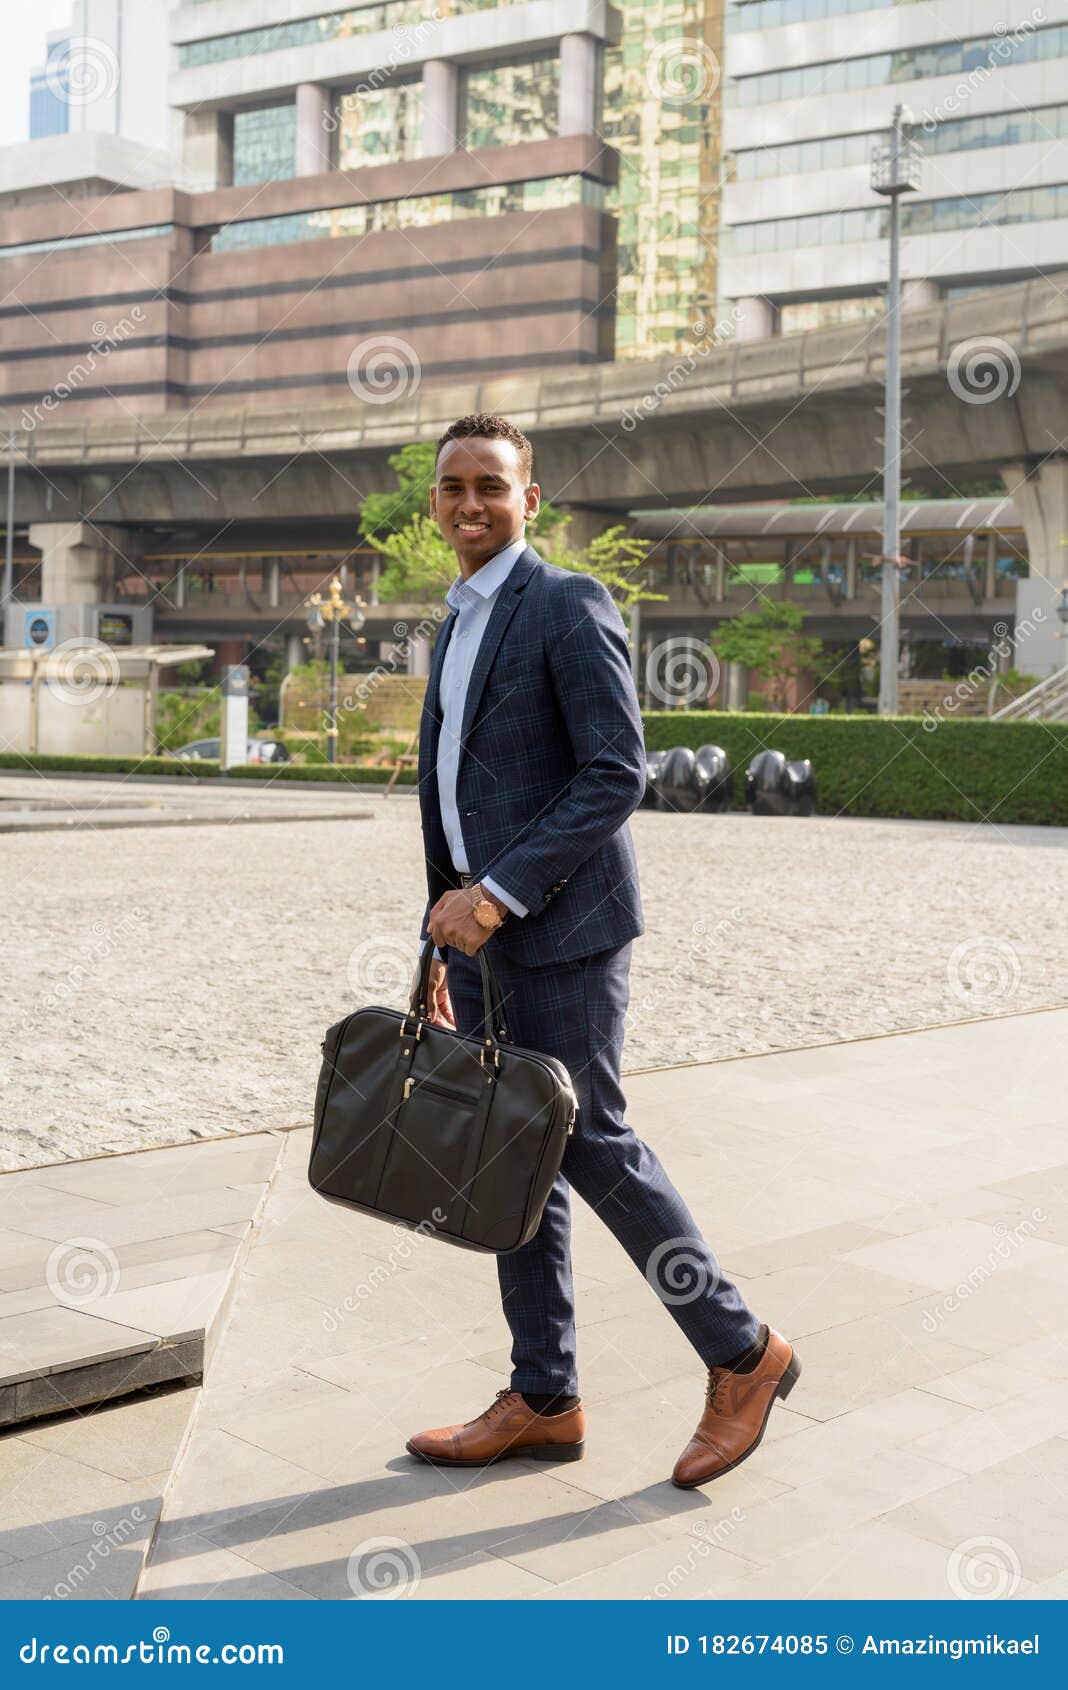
(167, 984)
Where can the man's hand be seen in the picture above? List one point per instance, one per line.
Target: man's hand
(438, 1002)
(452, 922)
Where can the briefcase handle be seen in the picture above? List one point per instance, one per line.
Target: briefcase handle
(492, 1002)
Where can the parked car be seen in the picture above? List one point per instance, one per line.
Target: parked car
(257, 751)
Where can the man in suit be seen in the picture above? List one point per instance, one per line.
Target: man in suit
(531, 759)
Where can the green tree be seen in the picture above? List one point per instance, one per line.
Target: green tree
(419, 563)
(771, 641)
(389, 513)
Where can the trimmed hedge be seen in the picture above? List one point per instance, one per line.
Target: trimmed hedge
(969, 770)
(45, 764)
(347, 774)
(202, 768)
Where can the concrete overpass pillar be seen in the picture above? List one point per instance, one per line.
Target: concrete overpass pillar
(314, 151)
(580, 70)
(754, 318)
(78, 561)
(1041, 497)
(419, 655)
(441, 107)
(295, 654)
(917, 295)
(207, 150)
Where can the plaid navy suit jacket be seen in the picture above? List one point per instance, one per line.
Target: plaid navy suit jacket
(552, 764)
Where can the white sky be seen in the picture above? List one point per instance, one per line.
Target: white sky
(23, 27)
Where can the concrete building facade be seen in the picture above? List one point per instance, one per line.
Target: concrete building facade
(809, 93)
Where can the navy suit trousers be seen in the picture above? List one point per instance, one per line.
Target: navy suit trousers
(575, 1011)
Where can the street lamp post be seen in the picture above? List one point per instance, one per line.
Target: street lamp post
(334, 611)
(9, 536)
(895, 171)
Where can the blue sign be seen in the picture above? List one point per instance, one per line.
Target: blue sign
(39, 629)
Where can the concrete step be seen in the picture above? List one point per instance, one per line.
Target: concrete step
(115, 1270)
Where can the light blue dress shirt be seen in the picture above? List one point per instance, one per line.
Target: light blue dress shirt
(473, 602)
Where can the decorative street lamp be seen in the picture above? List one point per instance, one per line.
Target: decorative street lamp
(895, 170)
(334, 610)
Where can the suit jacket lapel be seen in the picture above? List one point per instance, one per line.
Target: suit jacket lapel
(504, 608)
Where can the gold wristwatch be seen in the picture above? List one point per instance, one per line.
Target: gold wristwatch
(486, 913)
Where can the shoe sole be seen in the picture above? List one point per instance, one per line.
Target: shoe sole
(531, 1452)
(791, 1374)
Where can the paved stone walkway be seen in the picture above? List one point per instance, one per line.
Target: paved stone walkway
(899, 1207)
(168, 992)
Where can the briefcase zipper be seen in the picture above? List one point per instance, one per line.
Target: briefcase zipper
(439, 1090)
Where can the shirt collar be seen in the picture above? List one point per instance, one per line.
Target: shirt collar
(485, 581)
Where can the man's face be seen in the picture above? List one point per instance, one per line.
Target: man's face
(480, 500)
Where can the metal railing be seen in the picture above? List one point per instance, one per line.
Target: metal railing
(1048, 702)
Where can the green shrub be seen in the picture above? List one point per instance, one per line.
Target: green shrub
(106, 765)
(970, 770)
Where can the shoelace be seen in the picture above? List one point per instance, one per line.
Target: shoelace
(498, 1402)
(715, 1377)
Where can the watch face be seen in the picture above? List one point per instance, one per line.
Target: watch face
(486, 915)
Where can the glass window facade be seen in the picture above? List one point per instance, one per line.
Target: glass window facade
(328, 26)
(503, 104)
(773, 14)
(379, 125)
(67, 242)
(828, 313)
(927, 217)
(958, 134)
(662, 114)
(265, 144)
(907, 64)
(415, 212)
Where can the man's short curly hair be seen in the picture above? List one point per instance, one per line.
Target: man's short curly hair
(487, 427)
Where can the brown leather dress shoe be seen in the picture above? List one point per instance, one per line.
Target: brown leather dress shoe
(509, 1427)
(737, 1406)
